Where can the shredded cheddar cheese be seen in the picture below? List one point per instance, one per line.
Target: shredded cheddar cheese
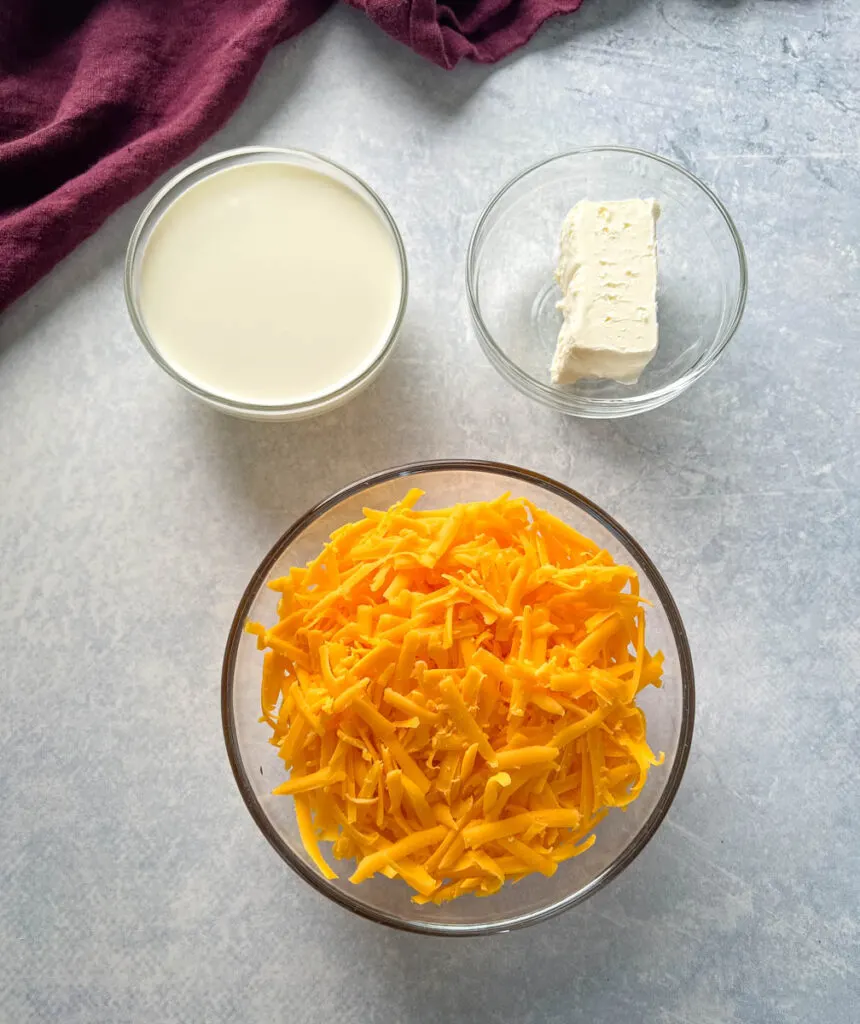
(453, 692)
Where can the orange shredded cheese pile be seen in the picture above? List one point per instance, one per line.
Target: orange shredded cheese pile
(453, 692)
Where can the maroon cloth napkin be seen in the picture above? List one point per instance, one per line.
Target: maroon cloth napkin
(100, 97)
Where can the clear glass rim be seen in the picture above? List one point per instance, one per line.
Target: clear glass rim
(637, 843)
(597, 407)
(163, 199)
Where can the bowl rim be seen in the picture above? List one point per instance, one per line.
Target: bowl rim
(596, 407)
(639, 840)
(199, 171)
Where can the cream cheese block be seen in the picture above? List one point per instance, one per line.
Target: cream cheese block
(607, 272)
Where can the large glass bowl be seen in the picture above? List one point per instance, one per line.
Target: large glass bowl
(701, 271)
(622, 834)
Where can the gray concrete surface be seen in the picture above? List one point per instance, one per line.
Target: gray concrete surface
(133, 884)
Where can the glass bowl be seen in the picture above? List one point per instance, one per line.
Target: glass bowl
(197, 173)
(702, 277)
(620, 836)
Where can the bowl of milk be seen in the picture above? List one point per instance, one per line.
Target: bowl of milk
(269, 283)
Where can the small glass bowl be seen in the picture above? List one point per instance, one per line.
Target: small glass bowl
(190, 177)
(620, 837)
(702, 277)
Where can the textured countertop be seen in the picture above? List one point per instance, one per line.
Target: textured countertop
(134, 885)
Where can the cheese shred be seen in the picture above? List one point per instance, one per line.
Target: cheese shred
(453, 692)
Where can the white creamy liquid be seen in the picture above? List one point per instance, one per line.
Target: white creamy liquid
(270, 284)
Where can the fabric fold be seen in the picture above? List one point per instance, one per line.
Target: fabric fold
(98, 98)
